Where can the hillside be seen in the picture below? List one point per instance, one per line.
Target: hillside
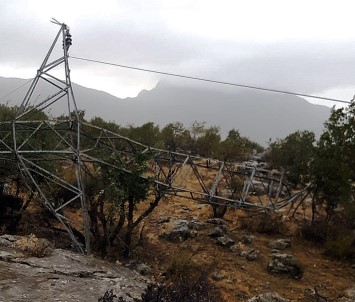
(259, 116)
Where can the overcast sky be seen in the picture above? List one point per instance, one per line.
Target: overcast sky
(303, 46)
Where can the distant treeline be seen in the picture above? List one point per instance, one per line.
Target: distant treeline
(197, 139)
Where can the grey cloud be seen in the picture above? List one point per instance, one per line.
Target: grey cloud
(145, 42)
(306, 68)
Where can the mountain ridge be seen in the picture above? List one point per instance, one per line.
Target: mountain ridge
(258, 115)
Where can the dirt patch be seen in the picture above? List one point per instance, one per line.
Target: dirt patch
(237, 277)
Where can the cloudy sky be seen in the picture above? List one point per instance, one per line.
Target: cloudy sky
(306, 46)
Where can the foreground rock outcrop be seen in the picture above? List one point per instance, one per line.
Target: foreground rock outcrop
(61, 276)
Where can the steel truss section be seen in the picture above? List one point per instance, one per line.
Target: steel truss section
(79, 147)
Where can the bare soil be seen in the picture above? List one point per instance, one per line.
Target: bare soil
(242, 279)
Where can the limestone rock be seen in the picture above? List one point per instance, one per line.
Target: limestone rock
(196, 225)
(217, 221)
(8, 240)
(252, 254)
(348, 295)
(140, 267)
(216, 276)
(238, 248)
(65, 276)
(285, 264)
(280, 244)
(178, 230)
(225, 241)
(218, 231)
(268, 297)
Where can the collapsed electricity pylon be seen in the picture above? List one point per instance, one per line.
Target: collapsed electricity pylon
(27, 142)
(31, 141)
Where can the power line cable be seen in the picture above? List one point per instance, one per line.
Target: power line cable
(18, 88)
(212, 81)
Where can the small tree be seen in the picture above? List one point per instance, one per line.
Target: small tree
(235, 147)
(294, 154)
(334, 164)
(114, 195)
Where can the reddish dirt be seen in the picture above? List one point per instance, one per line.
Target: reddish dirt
(242, 278)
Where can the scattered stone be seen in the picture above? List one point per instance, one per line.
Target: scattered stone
(268, 297)
(280, 244)
(252, 254)
(217, 276)
(285, 264)
(217, 221)
(238, 248)
(225, 241)
(247, 239)
(218, 231)
(353, 266)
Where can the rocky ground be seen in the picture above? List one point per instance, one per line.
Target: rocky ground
(241, 262)
(244, 264)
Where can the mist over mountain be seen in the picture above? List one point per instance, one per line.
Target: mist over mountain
(258, 115)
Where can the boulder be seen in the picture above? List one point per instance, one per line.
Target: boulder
(218, 231)
(178, 230)
(280, 244)
(285, 264)
(247, 239)
(268, 297)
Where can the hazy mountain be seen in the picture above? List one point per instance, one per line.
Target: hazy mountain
(258, 115)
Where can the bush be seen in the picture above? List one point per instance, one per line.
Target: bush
(264, 224)
(342, 247)
(185, 290)
(315, 232)
(109, 296)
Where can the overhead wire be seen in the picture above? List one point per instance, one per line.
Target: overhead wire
(16, 89)
(211, 80)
